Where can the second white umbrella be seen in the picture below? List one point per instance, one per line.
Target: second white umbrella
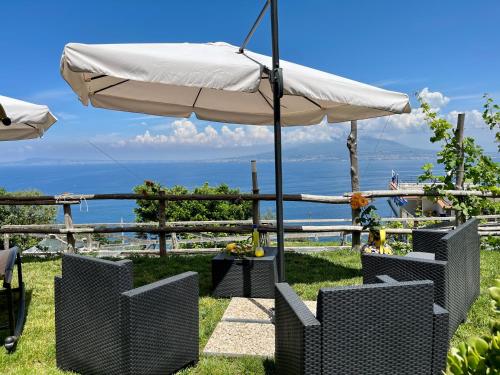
(22, 120)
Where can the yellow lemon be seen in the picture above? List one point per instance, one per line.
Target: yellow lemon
(259, 252)
(231, 246)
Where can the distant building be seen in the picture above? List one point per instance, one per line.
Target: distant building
(410, 206)
(50, 244)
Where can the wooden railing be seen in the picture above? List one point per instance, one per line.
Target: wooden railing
(162, 227)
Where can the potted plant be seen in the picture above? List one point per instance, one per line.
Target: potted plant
(370, 220)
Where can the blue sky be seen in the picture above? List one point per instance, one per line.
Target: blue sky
(446, 48)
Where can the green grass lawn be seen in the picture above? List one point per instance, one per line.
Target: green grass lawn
(35, 353)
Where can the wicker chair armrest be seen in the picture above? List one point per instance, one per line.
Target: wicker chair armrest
(385, 279)
(160, 325)
(440, 339)
(375, 265)
(298, 334)
(407, 269)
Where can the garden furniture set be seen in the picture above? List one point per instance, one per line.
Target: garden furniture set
(399, 321)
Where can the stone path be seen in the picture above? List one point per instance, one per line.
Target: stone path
(246, 329)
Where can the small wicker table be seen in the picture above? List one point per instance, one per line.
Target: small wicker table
(248, 277)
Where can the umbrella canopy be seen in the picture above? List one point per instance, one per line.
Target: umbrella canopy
(23, 120)
(217, 83)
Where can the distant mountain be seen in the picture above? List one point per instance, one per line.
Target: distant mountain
(368, 148)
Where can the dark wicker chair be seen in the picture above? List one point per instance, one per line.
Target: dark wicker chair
(16, 307)
(103, 326)
(449, 258)
(380, 329)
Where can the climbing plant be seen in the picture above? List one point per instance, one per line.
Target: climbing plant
(480, 171)
(491, 116)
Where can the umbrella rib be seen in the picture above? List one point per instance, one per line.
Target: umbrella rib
(267, 101)
(197, 96)
(97, 77)
(108, 87)
(313, 102)
(31, 126)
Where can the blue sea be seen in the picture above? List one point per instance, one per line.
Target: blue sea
(329, 177)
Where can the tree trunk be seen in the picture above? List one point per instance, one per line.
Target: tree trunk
(352, 145)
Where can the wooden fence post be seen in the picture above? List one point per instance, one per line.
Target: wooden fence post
(68, 223)
(162, 222)
(90, 242)
(175, 243)
(459, 184)
(352, 145)
(6, 244)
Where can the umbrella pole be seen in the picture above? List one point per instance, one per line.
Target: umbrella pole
(277, 83)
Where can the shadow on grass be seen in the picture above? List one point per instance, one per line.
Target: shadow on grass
(4, 318)
(300, 268)
(269, 367)
(314, 268)
(148, 270)
(37, 259)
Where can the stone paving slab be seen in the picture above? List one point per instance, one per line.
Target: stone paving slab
(235, 339)
(246, 329)
(249, 309)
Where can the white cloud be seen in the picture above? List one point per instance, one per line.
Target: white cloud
(185, 132)
(473, 119)
(66, 116)
(323, 132)
(404, 123)
(435, 99)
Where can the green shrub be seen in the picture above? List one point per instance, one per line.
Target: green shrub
(25, 215)
(194, 210)
(480, 355)
(400, 247)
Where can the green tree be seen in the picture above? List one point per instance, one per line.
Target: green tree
(25, 215)
(491, 116)
(147, 210)
(480, 170)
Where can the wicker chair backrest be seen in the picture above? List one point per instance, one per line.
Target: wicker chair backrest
(379, 328)
(91, 309)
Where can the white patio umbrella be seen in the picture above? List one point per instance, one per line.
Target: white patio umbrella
(216, 82)
(22, 120)
(223, 83)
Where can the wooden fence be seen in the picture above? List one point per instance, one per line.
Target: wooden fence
(162, 227)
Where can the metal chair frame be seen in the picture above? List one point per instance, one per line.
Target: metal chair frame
(16, 323)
